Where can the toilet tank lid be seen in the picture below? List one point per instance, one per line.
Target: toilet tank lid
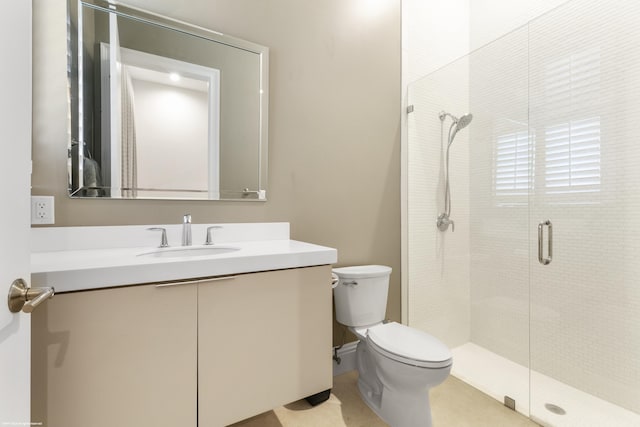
(362, 271)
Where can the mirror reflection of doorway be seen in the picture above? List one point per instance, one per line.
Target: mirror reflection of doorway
(148, 106)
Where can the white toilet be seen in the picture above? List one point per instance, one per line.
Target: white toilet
(397, 365)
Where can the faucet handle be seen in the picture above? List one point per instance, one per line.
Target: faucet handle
(444, 222)
(209, 240)
(163, 241)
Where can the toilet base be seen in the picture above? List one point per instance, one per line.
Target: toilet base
(395, 407)
(371, 399)
(396, 410)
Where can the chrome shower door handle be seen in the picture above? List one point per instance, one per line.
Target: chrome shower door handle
(541, 259)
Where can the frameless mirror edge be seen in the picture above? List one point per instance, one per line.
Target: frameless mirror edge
(174, 24)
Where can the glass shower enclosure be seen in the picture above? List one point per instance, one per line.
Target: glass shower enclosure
(537, 290)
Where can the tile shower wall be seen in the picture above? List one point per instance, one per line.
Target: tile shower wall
(426, 282)
(584, 109)
(577, 69)
(499, 186)
(573, 159)
(491, 19)
(438, 270)
(434, 34)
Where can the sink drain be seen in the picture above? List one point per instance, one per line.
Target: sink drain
(555, 409)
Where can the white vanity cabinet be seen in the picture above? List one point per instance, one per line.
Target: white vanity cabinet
(207, 353)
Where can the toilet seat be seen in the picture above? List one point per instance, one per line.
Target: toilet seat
(409, 346)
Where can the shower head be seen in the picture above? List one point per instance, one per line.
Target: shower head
(464, 121)
(460, 123)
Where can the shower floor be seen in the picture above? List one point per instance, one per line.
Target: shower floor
(496, 376)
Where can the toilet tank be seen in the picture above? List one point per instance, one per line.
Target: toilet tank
(361, 294)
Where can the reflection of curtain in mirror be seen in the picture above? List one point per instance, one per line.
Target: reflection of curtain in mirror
(129, 159)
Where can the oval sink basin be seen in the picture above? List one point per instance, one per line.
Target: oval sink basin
(189, 252)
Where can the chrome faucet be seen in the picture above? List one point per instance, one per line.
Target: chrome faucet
(186, 230)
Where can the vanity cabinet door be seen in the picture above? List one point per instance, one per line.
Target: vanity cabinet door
(116, 357)
(264, 341)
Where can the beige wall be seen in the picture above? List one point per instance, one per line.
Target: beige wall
(334, 127)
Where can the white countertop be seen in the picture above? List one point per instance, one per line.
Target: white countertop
(80, 269)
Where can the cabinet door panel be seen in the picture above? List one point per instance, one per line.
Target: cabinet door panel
(116, 357)
(264, 341)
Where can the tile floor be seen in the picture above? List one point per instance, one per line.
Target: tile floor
(453, 404)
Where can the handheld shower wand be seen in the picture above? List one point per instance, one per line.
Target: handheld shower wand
(444, 219)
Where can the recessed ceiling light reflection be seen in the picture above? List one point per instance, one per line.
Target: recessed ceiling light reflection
(175, 77)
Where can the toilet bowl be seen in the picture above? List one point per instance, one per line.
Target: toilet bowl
(397, 365)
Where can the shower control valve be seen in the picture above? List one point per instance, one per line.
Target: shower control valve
(444, 221)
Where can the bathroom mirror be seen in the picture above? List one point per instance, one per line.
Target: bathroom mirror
(161, 109)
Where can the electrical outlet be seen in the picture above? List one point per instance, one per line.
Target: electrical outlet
(42, 210)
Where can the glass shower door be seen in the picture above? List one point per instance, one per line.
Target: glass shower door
(469, 286)
(499, 178)
(584, 80)
(537, 291)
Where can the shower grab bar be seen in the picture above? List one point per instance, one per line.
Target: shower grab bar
(541, 259)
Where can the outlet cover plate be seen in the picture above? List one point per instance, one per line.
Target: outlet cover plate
(42, 210)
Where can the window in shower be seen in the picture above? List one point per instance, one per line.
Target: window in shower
(513, 159)
(572, 157)
(571, 161)
(572, 134)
